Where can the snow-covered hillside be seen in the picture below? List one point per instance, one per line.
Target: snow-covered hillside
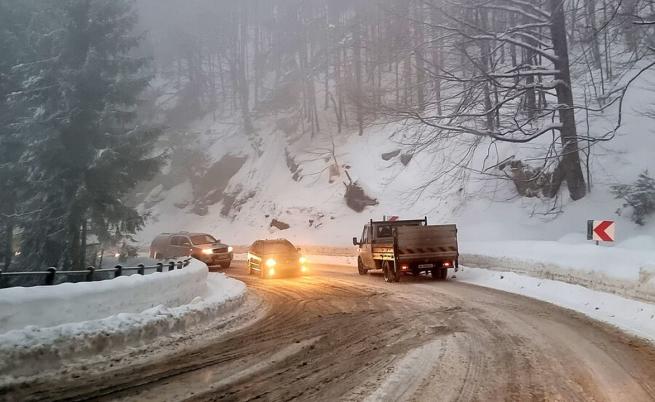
(241, 207)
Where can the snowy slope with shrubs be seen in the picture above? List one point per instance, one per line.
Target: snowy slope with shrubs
(484, 207)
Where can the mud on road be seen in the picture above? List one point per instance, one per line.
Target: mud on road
(335, 335)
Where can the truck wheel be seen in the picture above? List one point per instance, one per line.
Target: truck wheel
(396, 272)
(360, 267)
(435, 274)
(388, 275)
(443, 275)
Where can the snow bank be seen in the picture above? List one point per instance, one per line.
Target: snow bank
(47, 306)
(632, 316)
(31, 350)
(626, 271)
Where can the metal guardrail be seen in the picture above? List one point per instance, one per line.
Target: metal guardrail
(90, 274)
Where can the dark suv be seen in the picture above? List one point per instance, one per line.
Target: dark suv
(200, 246)
(275, 258)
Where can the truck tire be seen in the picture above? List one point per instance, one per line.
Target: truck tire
(388, 274)
(361, 268)
(396, 272)
(440, 274)
(435, 274)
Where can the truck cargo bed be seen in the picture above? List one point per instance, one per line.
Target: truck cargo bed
(426, 242)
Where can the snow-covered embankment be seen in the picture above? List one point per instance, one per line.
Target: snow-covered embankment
(620, 270)
(44, 326)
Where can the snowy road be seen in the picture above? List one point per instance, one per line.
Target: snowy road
(336, 335)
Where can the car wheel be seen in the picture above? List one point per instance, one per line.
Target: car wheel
(361, 268)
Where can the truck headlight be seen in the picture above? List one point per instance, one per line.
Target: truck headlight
(302, 260)
(271, 263)
(230, 249)
(207, 251)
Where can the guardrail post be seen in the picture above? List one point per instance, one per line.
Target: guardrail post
(141, 270)
(160, 267)
(171, 265)
(180, 264)
(119, 271)
(50, 277)
(89, 275)
(1, 279)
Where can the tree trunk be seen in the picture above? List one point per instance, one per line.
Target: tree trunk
(8, 249)
(357, 61)
(592, 33)
(436, 55)
(244, 88)
(419, 38)
(570, 155)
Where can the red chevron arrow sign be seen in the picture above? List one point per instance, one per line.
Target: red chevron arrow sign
(600, 230)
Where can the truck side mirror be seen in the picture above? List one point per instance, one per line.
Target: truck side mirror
(355, 241)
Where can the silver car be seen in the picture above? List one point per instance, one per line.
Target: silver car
(201, 246)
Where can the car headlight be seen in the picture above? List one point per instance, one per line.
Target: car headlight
(208, 251)
(230, 249)
(117, 255)
(271, 263)
(303, 260)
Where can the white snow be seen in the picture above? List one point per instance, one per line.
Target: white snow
(47, 306)
(534, 265)
(407, 374)
(625, 271)
(201, 298)
(632, 316)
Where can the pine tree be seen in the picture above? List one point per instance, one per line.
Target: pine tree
(87, 149)
(640, 196)
(14, 17)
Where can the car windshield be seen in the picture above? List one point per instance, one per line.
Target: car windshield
(202, 239)
(282, 247)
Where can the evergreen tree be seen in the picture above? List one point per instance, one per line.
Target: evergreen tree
(87, 150)
(14, 34)
(640, 196)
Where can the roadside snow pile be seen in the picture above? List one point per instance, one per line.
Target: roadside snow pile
(632, 316)
(34, 349)
(47, 306)
(626, 271)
